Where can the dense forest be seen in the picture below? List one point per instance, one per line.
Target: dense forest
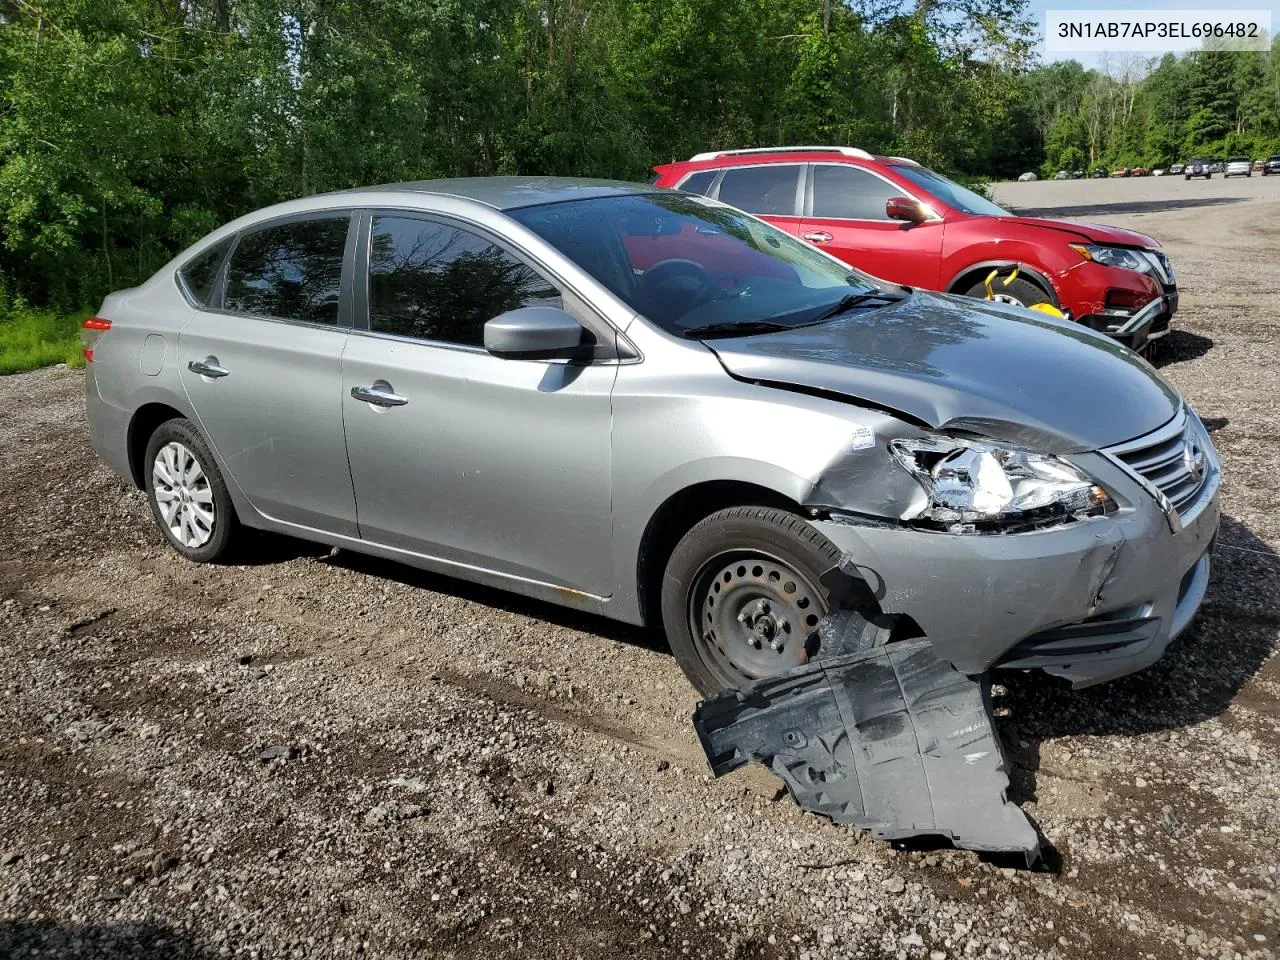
(129, 128)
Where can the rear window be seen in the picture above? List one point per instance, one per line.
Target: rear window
(768, 190)
(200, 273)
(290, 271)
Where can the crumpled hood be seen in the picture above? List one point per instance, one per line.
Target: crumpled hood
(1093, 232)
(961, 364)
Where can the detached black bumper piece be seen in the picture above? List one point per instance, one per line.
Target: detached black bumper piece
(890, 739)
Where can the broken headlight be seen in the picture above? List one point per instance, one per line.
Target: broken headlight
(977, 487)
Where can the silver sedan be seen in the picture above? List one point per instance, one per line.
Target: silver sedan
(652, 406)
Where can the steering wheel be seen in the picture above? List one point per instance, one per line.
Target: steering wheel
(670, 269)
(675, 267)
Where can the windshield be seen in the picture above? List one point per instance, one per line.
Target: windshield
(949, 192)
(688, 263)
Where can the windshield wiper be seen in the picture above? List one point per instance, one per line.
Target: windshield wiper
(851, 300)
(741, 328)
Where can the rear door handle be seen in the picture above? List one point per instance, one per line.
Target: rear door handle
(816, 236)
(208, 367)
(379, 394)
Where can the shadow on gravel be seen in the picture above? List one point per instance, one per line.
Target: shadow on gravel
(125, 941)
(1232, 637)
(263, 549)
(1180, 346)
(1126, 206)
(493, 597)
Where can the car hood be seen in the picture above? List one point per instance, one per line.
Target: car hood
(1093, 232)
(954, 363)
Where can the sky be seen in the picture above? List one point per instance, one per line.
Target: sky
(1038, 7)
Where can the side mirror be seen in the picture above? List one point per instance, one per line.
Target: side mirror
(535, 333)
(904, 208)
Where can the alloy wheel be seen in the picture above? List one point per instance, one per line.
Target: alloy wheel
(1007, 298)
(183, 495)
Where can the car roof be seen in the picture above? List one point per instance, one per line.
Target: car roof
(509, 193)
(755, 156)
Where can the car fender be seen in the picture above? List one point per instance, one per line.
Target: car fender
(813, 452)
(174, 396)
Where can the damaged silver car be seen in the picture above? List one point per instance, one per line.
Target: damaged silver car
(652, 406)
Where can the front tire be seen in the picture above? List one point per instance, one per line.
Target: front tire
(188, 497)
(1020, 293)
(743, 595)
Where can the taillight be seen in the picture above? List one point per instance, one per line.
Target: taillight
(90, 331)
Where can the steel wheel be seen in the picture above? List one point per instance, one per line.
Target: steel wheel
(752, 615)
(183, 495)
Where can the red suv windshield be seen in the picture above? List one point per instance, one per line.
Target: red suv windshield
(949, 192)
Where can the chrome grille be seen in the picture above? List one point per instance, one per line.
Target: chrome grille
(1161, 266)
(1177, 460)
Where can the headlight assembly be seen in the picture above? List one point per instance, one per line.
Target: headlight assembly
(979, 487)
(1121, 257)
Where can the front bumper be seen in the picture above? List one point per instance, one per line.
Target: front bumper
(1090, 601)
(1108, 299)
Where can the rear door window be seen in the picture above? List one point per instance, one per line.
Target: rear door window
(847, 193)
(289, 271)
(433, 281)
(768, 190)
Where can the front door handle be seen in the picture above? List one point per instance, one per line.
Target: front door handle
(208, 367)
(817, 236)
(379, 394)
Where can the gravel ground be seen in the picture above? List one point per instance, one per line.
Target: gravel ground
(323, 755)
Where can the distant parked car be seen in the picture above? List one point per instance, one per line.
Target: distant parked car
(1215, 167)
(1077, 174)
(1099, 173)
(1138, 172)
(1272, 166)
(1158, 172)
(1239, 167)
(1120, 172)
(1198, 168)
(1062, 175)
(1259, 165)
(1176, 169)
(1027, 177)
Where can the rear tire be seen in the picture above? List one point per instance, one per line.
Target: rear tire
(1021, 292)
(744, 592)
(188, 497)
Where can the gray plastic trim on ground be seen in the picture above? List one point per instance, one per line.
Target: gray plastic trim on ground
(890, 739)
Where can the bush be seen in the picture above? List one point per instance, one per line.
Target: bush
(31, 338)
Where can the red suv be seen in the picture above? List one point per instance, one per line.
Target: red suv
(902, 222)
